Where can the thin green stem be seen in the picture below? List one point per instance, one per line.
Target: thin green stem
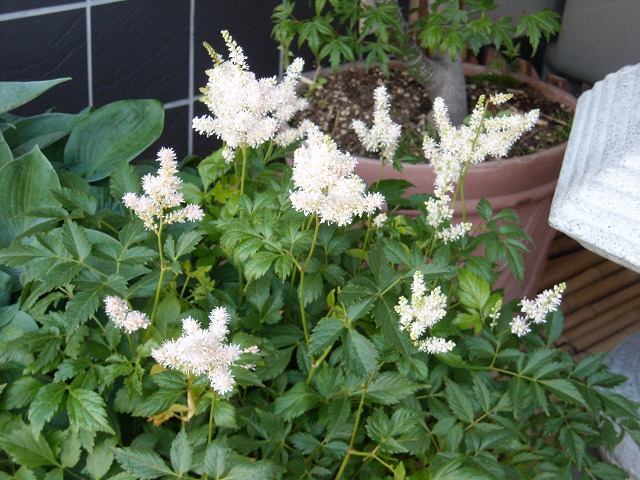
(354, 432)
(315, 364)
(303, 312)
(244, 167)
(156, 300)
(213, 406)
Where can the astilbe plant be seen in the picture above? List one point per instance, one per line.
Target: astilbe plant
(282, 325)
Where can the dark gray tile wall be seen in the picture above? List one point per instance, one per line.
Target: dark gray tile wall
(121, 49)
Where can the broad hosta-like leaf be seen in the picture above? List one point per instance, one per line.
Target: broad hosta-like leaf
(25, 185)
(113, 134)
(14, 94)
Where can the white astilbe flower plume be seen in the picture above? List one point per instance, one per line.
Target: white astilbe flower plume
(246, 111)
(161, 197)
(384, 133)
(122, 316)
(199, 351)
(536, 310)
(421, 313)
(325, 183)
(461, 146)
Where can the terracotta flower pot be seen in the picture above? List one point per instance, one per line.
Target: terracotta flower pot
(525, 184)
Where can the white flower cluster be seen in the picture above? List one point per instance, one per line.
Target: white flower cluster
(161, 196)
(465, 145)
(122, 316)
(423, 312)
(245, 110)
(384, 133)
(536, 311)
(200, 351)
(325, 183)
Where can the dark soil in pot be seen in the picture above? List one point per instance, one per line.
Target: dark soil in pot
(348, 95)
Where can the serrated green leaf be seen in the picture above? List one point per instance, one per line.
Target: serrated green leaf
(71, 450)
(387, 321)
(459, 402)
(359, 354)
(142, 464)
(389, 388)
(70, 367)
(28, 449)
(187, 241)
(21, 392)
(564, 389)
(87, 411)
(124, 179)
(215, 460)
(99, 460)
(45, 404)
(224, 414)
(76, 240)
(474, 291)
(181, 453)
(296, 401)
(324, 334)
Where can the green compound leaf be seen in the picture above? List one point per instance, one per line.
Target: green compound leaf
(45, 404)
(142, 464)
(28, 449)
(87, 411)
(301, 398)
(359, 354)
(181, 453)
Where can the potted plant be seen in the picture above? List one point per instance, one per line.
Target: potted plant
(431, 50)
(239, 318)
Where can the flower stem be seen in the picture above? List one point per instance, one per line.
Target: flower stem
(354, 432)
(303, 312)
(213, 406)
(245, 154)
(156, 301)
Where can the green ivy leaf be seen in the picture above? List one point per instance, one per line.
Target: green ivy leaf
(87, 411)
(142, 464)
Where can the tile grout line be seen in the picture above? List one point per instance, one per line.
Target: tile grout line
(89, 53)
(192, 34)
(36, 12)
